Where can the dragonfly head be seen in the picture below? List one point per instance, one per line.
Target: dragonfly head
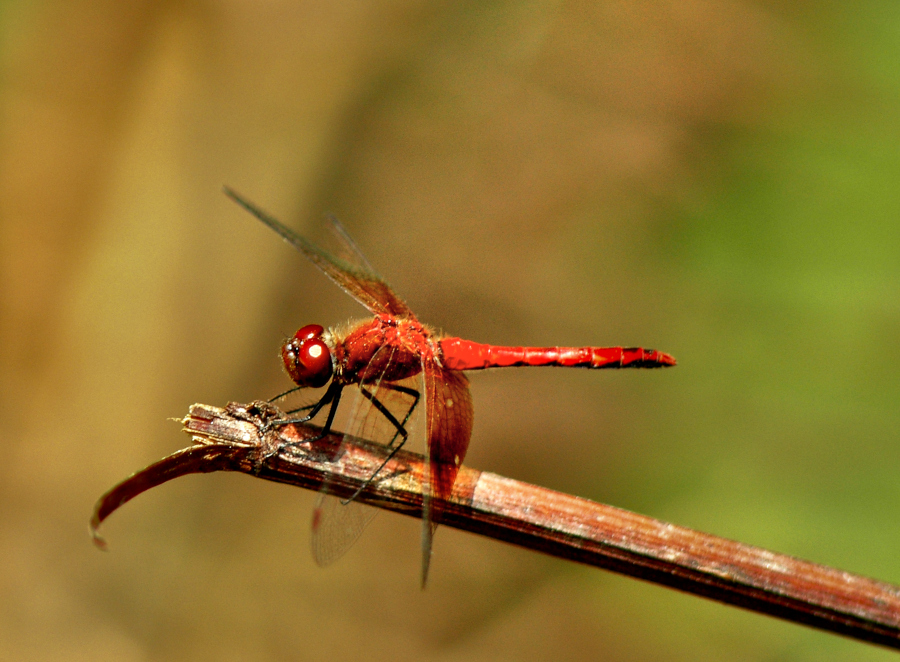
(307, 358)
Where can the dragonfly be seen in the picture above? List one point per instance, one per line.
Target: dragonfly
(404, 371)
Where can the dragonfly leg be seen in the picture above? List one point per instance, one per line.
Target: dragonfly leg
(400, 427)
(332, 395)
(281, 396)
(303, 408)
(285, 394)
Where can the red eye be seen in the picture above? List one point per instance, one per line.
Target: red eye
(307, 358)
(309, 331)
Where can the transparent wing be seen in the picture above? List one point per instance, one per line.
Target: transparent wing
(351, 271)
(449, 417)
(348, 251)
(337, 526)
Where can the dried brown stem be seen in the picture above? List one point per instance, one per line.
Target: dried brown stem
(531, 517)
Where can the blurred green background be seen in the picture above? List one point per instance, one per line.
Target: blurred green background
(716, 179)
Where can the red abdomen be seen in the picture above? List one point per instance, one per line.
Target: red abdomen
(459, 354)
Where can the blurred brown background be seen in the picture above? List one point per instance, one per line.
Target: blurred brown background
(717, 179)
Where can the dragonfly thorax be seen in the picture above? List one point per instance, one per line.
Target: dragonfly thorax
(382, 349)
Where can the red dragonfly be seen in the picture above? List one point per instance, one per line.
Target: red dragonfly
(401, 365)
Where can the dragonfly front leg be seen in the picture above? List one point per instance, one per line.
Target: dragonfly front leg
(332, 396)
(285, 394)
(315, 407)
(399, 426)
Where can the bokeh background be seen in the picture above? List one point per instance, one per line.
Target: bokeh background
(714, 178)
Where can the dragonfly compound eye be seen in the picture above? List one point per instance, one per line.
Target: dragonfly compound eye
(309, 331)
(307, 358)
